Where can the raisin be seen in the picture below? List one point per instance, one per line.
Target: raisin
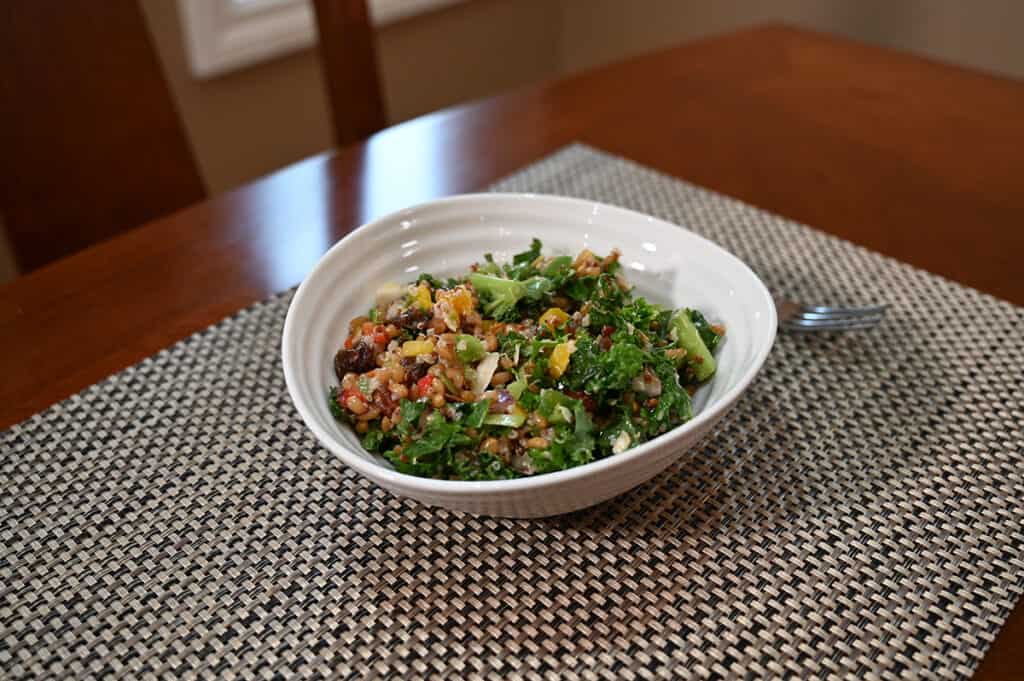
(358, 359)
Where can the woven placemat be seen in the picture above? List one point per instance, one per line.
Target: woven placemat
(859, 512)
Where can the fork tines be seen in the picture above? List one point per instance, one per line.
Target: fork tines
(819, 318)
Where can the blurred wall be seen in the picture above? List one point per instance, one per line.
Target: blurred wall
(985, 34)
(252, 121)
(249, 122)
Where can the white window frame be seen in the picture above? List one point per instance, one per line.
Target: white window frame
(221, 36)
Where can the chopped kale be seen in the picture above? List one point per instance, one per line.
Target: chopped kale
(710, 338)
(588, 370)
(522, 263)
(430, 280)
(410, 416)
(332, 404)
(475, 415)
(373, 440)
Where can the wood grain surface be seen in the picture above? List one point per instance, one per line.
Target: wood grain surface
(919, 160)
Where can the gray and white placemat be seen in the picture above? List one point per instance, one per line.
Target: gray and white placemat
(859, 513)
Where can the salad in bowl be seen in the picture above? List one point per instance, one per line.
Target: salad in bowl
(593, 348)
(533, 366)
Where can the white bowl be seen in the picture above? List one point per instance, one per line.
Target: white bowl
(666, 263)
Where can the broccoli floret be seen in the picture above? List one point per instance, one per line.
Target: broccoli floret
(498, 295)
(686, 336)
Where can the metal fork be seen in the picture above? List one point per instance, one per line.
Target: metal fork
(799, 317)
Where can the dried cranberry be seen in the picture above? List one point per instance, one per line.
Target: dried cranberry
(358, 360)
(414, 370)
(413, 318)
(382, 398)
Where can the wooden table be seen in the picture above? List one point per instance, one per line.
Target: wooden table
(918, 160)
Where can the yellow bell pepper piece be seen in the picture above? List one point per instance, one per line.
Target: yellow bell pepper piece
(422, 297)
(560, 358)
(413, 348)
(460, 300)
(553, 318)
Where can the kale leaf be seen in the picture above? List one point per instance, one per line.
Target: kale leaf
(580, 289)
(475, 415)
(332, 404)
(674, 404)
(430, 280)
(710, 338)
(599, 372)
(522, 263)
(428, 454)
(410, 412)
(482, 466)
(374, 440)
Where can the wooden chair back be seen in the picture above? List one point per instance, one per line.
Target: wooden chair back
(92, 144)
(348, 57)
